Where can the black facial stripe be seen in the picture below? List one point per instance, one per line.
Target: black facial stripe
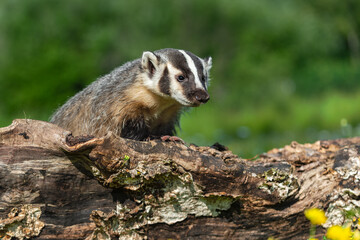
(178, 60)
(203, 82)
(164, 83)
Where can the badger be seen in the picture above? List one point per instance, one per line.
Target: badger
(141, 99)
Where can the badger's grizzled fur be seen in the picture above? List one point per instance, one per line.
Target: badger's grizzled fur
(141, 99)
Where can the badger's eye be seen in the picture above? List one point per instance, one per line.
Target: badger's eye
(180, 78)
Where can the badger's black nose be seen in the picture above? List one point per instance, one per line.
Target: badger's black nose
(202, 96)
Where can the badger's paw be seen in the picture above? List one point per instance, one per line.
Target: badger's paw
(168, 138)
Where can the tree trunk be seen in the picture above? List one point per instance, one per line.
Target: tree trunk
(56, 186)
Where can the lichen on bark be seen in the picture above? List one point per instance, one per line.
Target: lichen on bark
(21, 223)
(281, 182)
(167, 197)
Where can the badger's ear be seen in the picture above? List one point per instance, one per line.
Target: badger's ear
(208, 63)
(149, 62)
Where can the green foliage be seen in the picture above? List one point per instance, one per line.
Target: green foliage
(282, 70)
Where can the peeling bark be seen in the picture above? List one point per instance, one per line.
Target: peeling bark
(115, 188)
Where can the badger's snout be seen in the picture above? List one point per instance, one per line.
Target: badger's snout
(200, 97)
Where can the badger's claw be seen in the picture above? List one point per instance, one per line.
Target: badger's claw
(168, 138)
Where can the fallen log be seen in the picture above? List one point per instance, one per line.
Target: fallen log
(57, 186)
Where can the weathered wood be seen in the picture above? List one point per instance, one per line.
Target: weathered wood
(105, 188)
(34, 169)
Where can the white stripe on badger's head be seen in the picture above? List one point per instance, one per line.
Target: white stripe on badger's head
(193, 68)
(182, 75)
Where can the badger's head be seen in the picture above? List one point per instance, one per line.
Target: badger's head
(178, 74)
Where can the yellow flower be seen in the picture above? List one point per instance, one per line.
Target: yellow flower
(313, 238)
(316, 216)
(356, 235)
(337, 232)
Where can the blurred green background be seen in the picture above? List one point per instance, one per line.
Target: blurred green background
(282, 70)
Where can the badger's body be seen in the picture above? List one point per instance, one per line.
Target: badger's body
(143, 98)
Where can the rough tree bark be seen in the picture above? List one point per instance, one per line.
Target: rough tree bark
(56, 186)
